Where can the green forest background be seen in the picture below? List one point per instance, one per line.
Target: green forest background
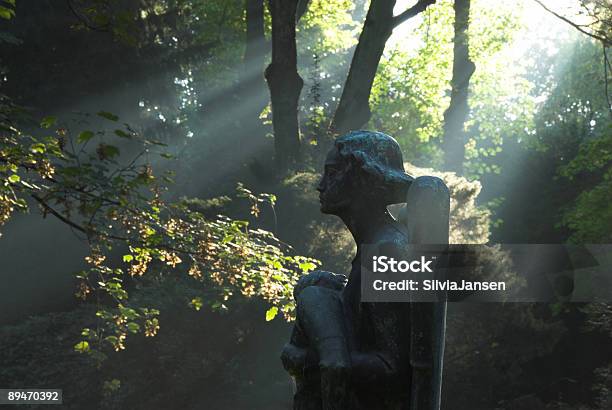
(158, 160)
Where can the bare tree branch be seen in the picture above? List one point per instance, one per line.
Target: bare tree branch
(578, 27)
(48, 209)
(412, 11)
(89, 231)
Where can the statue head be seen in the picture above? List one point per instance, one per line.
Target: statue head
(363, 169)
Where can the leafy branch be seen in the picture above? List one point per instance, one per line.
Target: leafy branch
(81, 180)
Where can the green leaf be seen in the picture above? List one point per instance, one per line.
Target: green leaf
(107, 151)
(85, 136)
(111, 339)
(196, 303)
(21, 203)
(112, 385)
(159, 143)
(109, 116)
(122, 134)
(307, 266)
(39, 148)
(82, 347)
(97, 356)
(47, 122)
(271, 313)
(128, 312)
(6, 13)
(128, 258)
(14, 178)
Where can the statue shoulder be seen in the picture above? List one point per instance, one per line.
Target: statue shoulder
(320, 278)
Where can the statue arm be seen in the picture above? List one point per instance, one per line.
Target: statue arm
(298, 354)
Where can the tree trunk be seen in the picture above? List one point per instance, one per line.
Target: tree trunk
(354, 109)
(455, 115)
(253, 86)
(302, 8)
(284, 82)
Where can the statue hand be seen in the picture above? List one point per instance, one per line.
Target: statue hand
(320, 278)
(294, 359)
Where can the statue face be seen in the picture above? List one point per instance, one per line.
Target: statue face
(335, 186)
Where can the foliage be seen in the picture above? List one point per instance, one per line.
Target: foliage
(408, 105)
(7, 10)
(501, 105)
(79, 179)
(590, 218)
(21, 152)
(408, 98)
(328, 27)
(574, 127)
(594, 18)
(411, 92)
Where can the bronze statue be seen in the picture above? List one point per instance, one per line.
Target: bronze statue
(348, 354)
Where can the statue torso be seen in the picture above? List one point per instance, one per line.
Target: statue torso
(382, 328)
